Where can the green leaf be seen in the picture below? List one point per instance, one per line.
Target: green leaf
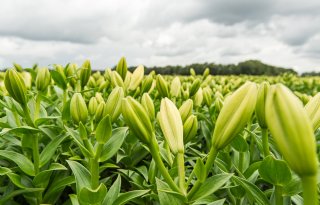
(42, 179)
(275, 171)
(199, 170)
(104, 130)
(81, 174)
(8, 196)
(59, 79)
(123, 198)
(76, 139)
(114, 144)
(166, 196)
(113, 192)
(256, 194)
(22, 129)
(90, 196)
(74, 199)
(239, 144)
(59, 182)
(50, 149)
(18, 181)
(4, 171)
(211, 185)
(23, 162)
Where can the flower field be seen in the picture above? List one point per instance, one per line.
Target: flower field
(73, 136)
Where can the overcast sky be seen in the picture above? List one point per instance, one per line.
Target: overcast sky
(160, 32)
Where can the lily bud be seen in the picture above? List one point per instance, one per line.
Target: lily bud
(292, 130)
(192, 72)
(175, 87)
(261, 104)
(207, 95)
(113, 103)
(15, 86)
(100, 111)
(78, 109)
(171, 125)
(190, 128)
(313, 110)
(206, 73)
(218, 103)
(99, 98)
(186, 109)
(234, 115)
(18, 67)
(198, 98)
(137, 119)
(162, 86)
(93, 105)
(146, 84)
(147, 103)
(116, 80)
(43, 79)
(85, 73)
(27, 78)
(194, 87)
(122, 68)
(136, 77)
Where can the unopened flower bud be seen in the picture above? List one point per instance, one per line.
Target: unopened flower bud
(78, 109)
(175, 87)
(192, 72)
(234, 115)
(292, 130)
(146, 84)
(116, 80)
(136, 77)
(162, 86)
(122, 68)
(313, 110)
(186, 109)
(99, 98)
(261, 104)
(147, 103)
(113, 104)
(194, 87)
(207, 95)
(43, 79)
(137, 119)
(100, 111)
(93, 105)
(85, 73)
(15, 86)
(190, 128)
(198, 98)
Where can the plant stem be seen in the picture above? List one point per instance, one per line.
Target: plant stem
(181, 172)
(265, 142)
(278, 195)
(154, 149)
(94, 170)
(35, 153)
(37, 108)
(241, 158)
(27, 115)
(310, 190)
(170, 160)
(209, 163)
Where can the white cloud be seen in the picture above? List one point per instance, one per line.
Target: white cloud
(284, 33)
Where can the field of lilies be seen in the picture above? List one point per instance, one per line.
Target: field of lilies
(71, 136)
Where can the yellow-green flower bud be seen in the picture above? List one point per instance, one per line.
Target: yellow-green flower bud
(261, 104)
(186, 109)
(218, 103)
(234, 115)
(198, 98)
(147, 103)
(162, 86)
(136, 77)
(190, 128)
(194, 87)
(99, 98)
(171, 125)
(137, 119)
(146, 84)
(93, 105)
(185, 93)
(43, 79)
(292, 130)
(92, 82)
(122, 68)
(113, 103)
(175, 87)
(15, 86)
(78, 109)
(100, 112)
(206, 73)
(116, 80)
(27, 78)
(313, 110)
(127, 80)
(207, 95)
(192, 72)
(18, 67)
(85, 73)
(108, 74)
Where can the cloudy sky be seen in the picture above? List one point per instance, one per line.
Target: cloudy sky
(160, 32)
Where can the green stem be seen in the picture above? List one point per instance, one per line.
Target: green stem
(170, 160)
(181, 172)
(94, 170)
(278, 195)
(27, 115)
(16, 117)
(209, 163)
(265, 143)
(37, 108)
(98, 151)
(35, 153)
(64, 99)
(154, 149)
(241, 158)
(310, 190)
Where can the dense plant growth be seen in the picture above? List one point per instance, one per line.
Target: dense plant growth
(71, 136)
